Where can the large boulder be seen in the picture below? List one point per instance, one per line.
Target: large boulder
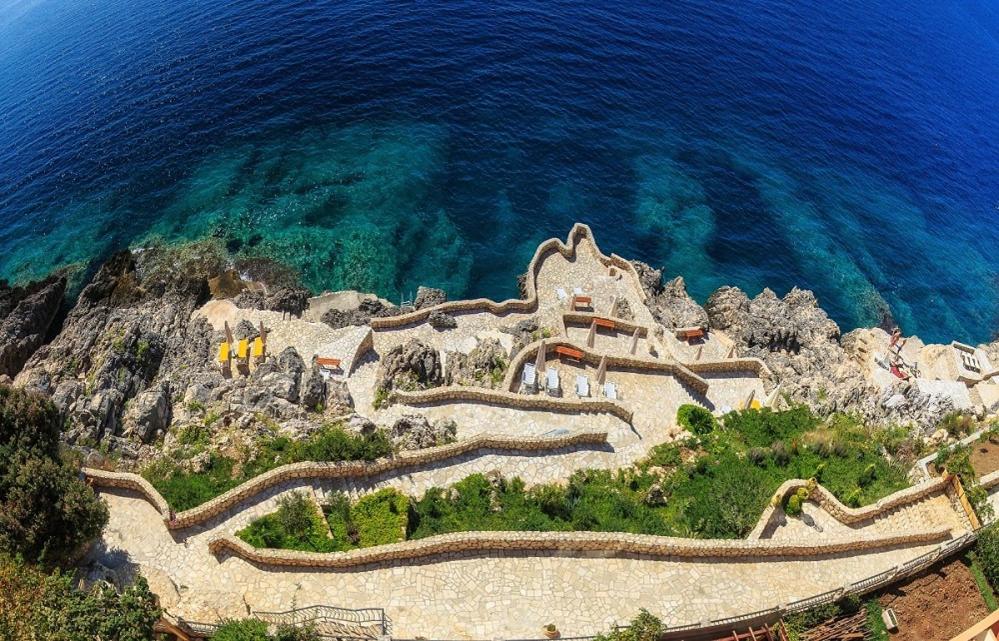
(429, 297)
(484, 366)
(312, 389)
(338, 398)
(414, 432)
(412, 365)
(27, 315)
(148, 414)
(441, 320)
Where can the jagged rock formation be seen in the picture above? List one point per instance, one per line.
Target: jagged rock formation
(669, 303)
(413, 365)
(414, 432)
(484, 366)
(428, 297)
(26, 313)
(365, 311)
(441, 320)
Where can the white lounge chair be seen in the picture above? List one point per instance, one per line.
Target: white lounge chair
(530, 377)
(551, 376)
(610, 391)
(578, 291)
(582, 386)
(562, 296)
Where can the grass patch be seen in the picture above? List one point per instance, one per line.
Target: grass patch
(184, 489)
(974, 565)
(296, 525)
(874, 621)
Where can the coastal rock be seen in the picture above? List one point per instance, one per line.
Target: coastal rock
(429, 297)
(245, 330)
(484, 366)
(414, 432)
(413, 365)
(357, 424)
(441, 320)
(27, 315)
(338, 398)
(338, 319)
(148, 414)
(669, 303)
(312, 392)
(290, 300)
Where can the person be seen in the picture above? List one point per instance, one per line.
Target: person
(897, 342)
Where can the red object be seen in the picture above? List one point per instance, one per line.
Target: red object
(328, 362)
(897, 372)
(690, 334)
(569, 352)
(604, 322)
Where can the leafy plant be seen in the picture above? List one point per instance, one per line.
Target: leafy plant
(696, 419)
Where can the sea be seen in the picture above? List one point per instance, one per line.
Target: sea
(850, 147)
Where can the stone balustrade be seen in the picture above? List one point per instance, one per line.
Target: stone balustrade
(570, 543)
(339, 469)
(538, 402)
(527, 305)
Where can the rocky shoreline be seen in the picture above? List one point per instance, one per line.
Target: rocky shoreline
(131, 363)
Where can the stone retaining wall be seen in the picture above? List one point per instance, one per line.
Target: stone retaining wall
(527, 305)
(841, 512)
(569, 543)
(512, 378)
(542, 402)
(340, 469)
(586, 319)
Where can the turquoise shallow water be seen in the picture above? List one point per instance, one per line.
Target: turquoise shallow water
(849, 149)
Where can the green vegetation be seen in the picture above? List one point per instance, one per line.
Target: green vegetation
(256, 630)
(715, 486)
(874, 621)
(297, 524)
(987, 552)
(184, 489)
(46, 512)
(375, 519)
(696, 419)
(956, 459)
(37, 605)
(644, 627)
(974, 565)
(799, 623)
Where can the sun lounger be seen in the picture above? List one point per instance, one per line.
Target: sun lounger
(562, 296)
(551, 376)
(568, 352)
(243, 349)
(529, 379)
(610, 391)
(582, 386)
(224, 352)
(970, 362)
(578, 291)
(257, 350)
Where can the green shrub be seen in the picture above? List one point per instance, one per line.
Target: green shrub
(35, 605)
(987, 551)
(375, 519)
(296, 525)
(242, 630)
(695, 419)
(46, 512)
(644, 627)
(957, 424)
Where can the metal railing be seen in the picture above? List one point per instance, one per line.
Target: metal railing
(329, 622)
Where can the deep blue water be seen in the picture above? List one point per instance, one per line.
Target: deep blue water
(848, 147)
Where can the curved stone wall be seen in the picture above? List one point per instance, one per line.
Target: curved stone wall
(530, 351)
(342, 469)
(841, 512)
(527, 305)
(542, 402)
(568, 543)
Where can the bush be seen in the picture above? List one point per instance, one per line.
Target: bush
(644, 627)
(375, 519)
(46, 512)
(296, 525)
(987, 551)
(695, 419)
(242, 630)
(183, 489)
(35, 605)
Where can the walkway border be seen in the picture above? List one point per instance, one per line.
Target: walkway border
(340, 469)
(611, 544)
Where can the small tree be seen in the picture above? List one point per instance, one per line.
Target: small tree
(696, 419)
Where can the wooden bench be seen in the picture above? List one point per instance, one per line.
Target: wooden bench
(569, 352)
(581, 301)
(328, 363)
(690, 333)
(604, 322)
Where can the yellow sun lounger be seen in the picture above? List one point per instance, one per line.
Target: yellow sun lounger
(242, 349)
(258, 347)
(224, 353)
